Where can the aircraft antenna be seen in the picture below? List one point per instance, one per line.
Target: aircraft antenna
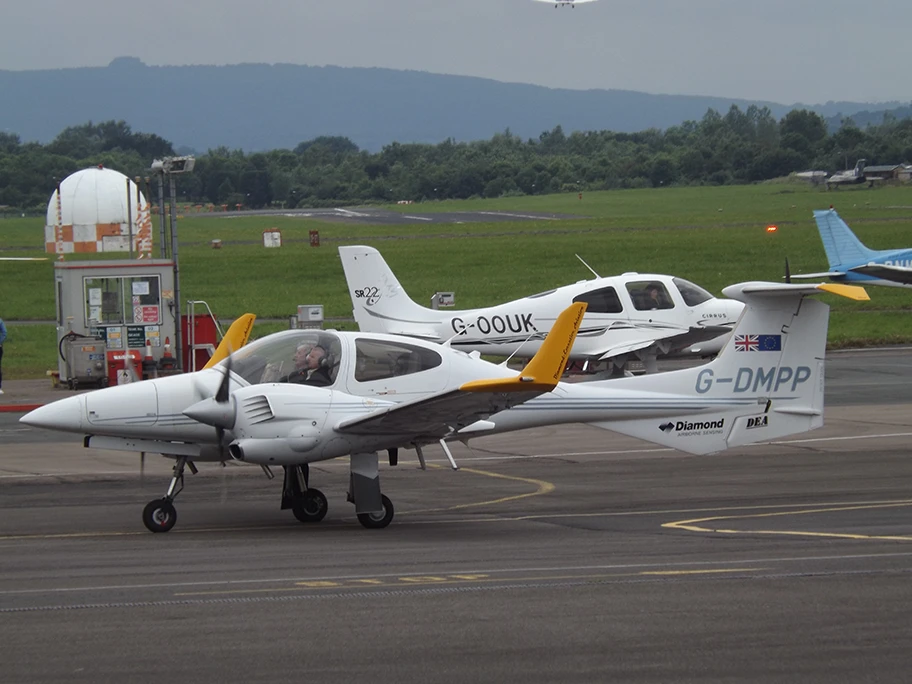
(518, 347)
(587, 266)
(446, 343)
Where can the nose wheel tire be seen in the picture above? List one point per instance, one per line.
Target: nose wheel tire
(376, 521)
(311, 507)
(159, 515)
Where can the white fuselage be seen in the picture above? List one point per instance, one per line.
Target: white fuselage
(619, 319)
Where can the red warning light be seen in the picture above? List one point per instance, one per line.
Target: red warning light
(772, 228)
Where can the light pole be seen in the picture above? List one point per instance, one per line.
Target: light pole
(169, 166)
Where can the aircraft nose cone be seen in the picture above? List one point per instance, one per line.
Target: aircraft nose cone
(66, 414)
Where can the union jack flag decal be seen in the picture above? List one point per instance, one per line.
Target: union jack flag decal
(747, 343)
(758, 343)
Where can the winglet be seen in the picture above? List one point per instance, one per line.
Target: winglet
(850, 291)
(544, 370)
(234, 339)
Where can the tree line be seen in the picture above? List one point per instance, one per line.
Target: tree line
(737, 147)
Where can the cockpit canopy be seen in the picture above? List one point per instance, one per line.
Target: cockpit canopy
(272, 358)
(691, 294)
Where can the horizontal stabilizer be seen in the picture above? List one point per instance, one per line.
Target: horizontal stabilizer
(898, 274)
(817, 276)
(744, 291)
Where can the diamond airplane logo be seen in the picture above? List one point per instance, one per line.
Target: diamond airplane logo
(666, 427)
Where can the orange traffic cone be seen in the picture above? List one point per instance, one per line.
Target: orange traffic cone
(167, 360)
(149, 369)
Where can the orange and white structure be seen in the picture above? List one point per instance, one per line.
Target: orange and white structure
(98, 210)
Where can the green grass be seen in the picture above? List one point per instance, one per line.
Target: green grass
(714, 236)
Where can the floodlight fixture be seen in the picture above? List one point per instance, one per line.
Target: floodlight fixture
(172, 165)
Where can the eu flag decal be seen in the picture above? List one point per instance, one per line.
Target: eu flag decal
(758, 343)
(770, 342)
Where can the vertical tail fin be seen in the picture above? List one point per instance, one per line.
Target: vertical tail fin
(380, 304)
(839, 242)
(766, 383)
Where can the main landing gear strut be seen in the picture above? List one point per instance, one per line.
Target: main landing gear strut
(307, 504)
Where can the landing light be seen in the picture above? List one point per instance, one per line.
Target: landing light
(772, 228)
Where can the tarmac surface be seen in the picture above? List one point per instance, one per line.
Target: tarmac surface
(565, 554)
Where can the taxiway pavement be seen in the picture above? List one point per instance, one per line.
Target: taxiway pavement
(563, 554)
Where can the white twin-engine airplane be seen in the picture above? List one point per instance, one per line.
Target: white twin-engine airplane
(560, 3)
(634, 314)
(387, 393)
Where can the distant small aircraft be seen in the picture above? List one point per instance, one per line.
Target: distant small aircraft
(561, 3)
(813, 177)
(851, 262)
(849, 177)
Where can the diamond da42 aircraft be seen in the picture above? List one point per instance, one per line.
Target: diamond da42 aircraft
(634, 314)
(386, 393)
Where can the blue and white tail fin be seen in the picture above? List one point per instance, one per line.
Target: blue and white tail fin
(839, 242)
(765, 384)
(380, 303)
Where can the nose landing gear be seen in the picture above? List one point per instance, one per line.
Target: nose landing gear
(159, 515)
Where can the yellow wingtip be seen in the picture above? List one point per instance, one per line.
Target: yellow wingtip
(855, 292)
(235, 338)
(545, 369)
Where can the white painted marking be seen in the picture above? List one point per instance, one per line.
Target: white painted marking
(502, 570)
(418, 218)
(525, 216)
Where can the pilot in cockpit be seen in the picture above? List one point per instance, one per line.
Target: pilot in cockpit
(315, 369)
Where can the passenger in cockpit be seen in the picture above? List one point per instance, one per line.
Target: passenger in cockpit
(315, 368)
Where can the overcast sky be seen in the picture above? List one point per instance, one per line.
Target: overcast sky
(787, 51)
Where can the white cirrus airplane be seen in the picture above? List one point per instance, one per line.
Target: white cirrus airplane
(634, 314)
(561, 3)
(387, 393)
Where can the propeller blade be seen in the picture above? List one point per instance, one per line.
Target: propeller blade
(788, 273)
(220, 435)
(221, 396)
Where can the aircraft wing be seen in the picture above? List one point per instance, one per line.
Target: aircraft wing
(680, 339)
(695, 335)
(899, 274)
(451, 410)
(437, 416)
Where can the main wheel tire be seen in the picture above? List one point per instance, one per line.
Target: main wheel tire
(159, 515)
(377, 521)
(311, 507)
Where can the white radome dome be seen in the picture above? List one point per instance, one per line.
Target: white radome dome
(94, 213)
(94, 196)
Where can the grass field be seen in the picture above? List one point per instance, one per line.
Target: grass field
(714, 236)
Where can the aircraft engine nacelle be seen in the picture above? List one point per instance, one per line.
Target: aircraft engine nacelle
(277, 451)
